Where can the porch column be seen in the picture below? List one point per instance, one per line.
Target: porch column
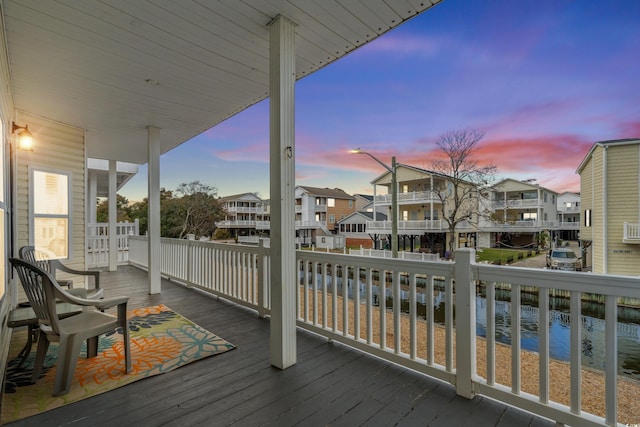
(282, 188)
(431, 200)
(92, 204)
(113, 215)
(153, 209)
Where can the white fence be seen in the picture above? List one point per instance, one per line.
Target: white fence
(371, 304)
(97, 253)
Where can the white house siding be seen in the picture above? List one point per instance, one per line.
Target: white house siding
(57, 148)
(622, 202)
(6, 115)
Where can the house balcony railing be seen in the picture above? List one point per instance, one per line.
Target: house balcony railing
(320, 208)
(413, 197)
(97, 251)
(236, 224)
(371, 304)
(484, 225)
(407, 226)
(569, 209)
(247, 209)
(517, 203)
(266, 225)
(631, 233)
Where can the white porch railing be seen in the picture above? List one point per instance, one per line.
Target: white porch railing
(517, 203)
(97, 251)
(371, 304)
(631, 233)
(414, 256)
(411, 197)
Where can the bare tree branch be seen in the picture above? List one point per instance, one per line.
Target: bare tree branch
(463, 178)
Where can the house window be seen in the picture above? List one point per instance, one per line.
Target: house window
(331, 203)
(360, 228)
(332, 218)
(50, 201)
(350, 203)
(587, 218)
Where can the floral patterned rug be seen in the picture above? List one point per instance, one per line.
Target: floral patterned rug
(161, 340)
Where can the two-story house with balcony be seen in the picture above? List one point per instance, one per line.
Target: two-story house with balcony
(319, 209)
(419, 210)
(569, 215)
(246, 214)
(521, 210)
(610, 207)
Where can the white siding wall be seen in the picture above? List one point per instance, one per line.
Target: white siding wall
(57, 148)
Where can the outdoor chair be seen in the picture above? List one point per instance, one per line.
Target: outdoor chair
(43, 292)
(50, 265)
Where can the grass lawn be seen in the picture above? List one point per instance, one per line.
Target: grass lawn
(502, 256)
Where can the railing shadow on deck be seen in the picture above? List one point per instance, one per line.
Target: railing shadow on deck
(378, 313)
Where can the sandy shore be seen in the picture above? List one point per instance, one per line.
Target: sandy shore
(559, 372)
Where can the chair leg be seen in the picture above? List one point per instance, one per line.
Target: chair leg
(68, 354)
(41, 353)
(92, 347)
(124, 323)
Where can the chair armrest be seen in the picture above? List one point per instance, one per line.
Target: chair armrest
(55, 264)
(100, 304)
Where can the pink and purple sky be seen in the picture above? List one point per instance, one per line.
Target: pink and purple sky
(544, 80)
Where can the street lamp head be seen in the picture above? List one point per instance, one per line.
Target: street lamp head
(356, 151)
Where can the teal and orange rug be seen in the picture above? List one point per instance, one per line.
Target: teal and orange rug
(161, 340)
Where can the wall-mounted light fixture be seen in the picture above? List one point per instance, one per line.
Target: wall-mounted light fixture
(25, 138)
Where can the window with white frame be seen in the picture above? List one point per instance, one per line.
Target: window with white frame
(50, 201)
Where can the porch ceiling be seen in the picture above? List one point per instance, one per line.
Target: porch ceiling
(114, 67)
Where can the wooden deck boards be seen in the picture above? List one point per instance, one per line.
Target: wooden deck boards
(331, 384)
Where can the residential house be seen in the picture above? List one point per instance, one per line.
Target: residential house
(319, 209)
(354, 229)
(420, 210)
(246, 214)
(520, 211)
(569, 215)
(610, 207)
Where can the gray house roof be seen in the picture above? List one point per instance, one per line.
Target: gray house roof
(336, 193)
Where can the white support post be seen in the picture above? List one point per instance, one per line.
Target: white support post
(113, 215)
(92, 204)
(153, 213)
(282, 186)
(465, 322)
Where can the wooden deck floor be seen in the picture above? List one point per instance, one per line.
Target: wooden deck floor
(330, 385)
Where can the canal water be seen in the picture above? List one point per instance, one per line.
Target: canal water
(592, 324)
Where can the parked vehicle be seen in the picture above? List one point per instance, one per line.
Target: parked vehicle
(563, 259)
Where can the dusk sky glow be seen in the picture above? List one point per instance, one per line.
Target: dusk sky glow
(544, 80)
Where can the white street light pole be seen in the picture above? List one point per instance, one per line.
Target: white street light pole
(394, 198)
